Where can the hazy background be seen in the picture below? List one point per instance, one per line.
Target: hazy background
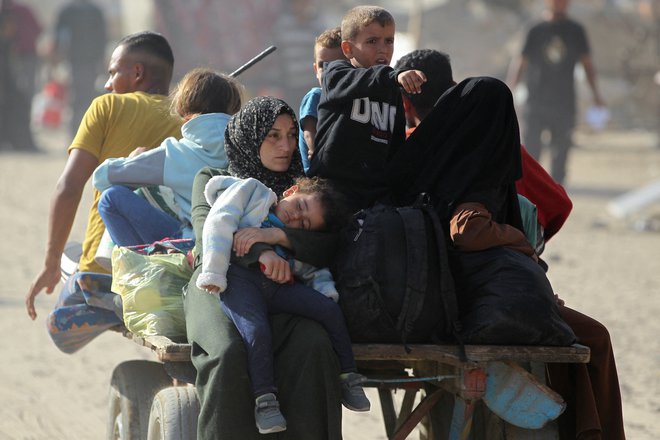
(603, 266)
(480, 35)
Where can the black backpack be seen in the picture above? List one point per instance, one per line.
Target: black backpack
(393, 277)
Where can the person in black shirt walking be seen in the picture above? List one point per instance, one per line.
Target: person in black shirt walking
(552, 49)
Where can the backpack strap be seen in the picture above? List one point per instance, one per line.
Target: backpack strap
(447, 287)
(416, 270)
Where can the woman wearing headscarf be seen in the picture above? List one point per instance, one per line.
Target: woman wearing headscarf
(261, 142)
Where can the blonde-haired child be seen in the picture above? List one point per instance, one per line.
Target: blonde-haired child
(205, 99)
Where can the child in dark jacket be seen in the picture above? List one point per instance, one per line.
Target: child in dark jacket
(360, 116)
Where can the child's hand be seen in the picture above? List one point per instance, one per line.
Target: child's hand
(211, 288)
(246, 237)
(137, 151)
(411, 81)
(275, 267)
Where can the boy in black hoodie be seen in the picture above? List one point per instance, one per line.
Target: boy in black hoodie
(361, 120)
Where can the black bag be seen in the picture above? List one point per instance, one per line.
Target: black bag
(393, 277)
(505, 298)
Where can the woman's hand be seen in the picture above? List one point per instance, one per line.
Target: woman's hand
(245, 238)
(275, 267)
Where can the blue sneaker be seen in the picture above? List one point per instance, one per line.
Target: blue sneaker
(267, 414)
(352, 394)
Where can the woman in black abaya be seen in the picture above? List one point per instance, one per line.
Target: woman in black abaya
(466, 155)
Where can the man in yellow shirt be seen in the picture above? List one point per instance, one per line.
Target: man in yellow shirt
(134, 115)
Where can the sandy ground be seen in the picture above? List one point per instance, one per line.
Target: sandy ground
(599, 265)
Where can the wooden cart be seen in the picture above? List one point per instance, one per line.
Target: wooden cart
(497, 393)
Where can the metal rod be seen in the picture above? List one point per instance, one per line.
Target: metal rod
(253, 61)
(410, 379)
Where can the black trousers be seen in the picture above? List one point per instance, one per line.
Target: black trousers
(560, 127)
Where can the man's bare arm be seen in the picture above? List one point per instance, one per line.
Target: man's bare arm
(63, 207)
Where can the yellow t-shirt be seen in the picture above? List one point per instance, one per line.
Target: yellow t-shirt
(114, 125)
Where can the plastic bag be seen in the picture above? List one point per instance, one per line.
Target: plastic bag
(151, 290)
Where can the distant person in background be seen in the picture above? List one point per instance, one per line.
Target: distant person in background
(14, 100)
(6, 81)
(23, 46)
(80, 39)
(552, 49)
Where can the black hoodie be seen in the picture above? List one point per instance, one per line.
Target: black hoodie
(361, 123)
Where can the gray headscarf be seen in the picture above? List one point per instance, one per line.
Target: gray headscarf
(244, 135)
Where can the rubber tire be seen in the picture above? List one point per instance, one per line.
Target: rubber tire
(174, 414)
(132, 389)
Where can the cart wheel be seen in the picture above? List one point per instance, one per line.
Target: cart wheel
(174, 414)
(133, 386)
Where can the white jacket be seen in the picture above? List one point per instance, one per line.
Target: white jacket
(241, 203)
